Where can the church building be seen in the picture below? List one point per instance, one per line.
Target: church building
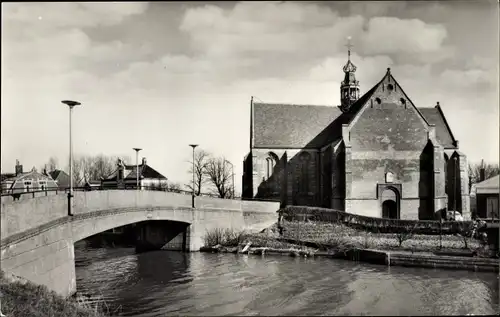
(375, 155)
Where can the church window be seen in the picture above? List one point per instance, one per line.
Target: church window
(390, 87)
(271, 161)
(378, 101)
(389, 177)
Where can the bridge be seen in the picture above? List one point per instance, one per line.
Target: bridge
(38, 236)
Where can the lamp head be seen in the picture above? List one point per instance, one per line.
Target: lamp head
(136, 149)
(71, 103)
(193, 145)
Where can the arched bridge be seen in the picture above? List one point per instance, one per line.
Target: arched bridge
(38, 236)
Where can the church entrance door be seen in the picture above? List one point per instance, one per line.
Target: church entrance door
(389, 209)
(390, 203)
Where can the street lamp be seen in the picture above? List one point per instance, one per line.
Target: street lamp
(232, 176)
(193, 146)
(137, 166)
(454, 187)
(70, 104)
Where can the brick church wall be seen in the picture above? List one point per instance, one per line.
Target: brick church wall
(389, 136)
(286, 179)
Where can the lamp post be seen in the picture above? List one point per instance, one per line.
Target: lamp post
(137, 166)
(454, 187)
(232, 177)
(193, 146)
(71, 104)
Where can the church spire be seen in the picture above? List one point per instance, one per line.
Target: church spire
(349, 88)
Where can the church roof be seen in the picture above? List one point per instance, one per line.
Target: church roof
(311, 126)
(443, 132)
(289, 125)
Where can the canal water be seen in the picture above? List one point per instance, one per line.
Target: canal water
(164, 283)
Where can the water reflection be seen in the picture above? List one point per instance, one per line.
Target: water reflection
(172, 283)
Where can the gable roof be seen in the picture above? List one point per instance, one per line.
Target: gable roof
(312, 126)
(492, 182)
(31, 175)
(145, 171)
(362, 103)
(56, 173)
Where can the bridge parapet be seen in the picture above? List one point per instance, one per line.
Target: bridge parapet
(20, 216)
(90, 201)
(24, 215)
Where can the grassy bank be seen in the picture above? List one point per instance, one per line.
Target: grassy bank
(25, 299)
(337, 237)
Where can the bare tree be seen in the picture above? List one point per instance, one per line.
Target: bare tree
(201, 159)
(92, 168)
(490, 170)
(52, 164)
(103, 166)
(78, 175)
(218, 172)
(174, 187)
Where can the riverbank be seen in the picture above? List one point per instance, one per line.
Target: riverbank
(307, 239)
(22, 298)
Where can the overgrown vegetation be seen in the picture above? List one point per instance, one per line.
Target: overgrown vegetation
(340, 237)
(406, 234)
(25, 299)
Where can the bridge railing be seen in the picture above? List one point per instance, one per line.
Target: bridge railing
(33, 192)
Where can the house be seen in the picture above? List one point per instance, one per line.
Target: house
(92, 185)
(30, 181)
(125, 176)
(487, 195)
(61, 178)
(376, 154)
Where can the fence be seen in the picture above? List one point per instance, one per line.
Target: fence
(370, 224)
(326, 228)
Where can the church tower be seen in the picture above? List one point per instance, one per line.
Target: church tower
(349, 88)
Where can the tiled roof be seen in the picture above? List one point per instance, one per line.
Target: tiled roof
(6, 176)
(291, 126)
(443, 133)
(309, 126)
(145, 171)
(56, 173)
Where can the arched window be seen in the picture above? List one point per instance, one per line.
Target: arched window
(271, 161)
(304, 159)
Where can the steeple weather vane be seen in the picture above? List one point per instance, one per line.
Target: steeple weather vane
(349, 46)
(349, 87)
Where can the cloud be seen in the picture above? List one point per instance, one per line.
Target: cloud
(392, 35)
(71, 14)
(370, 69)
(298, 34)
(193, 80)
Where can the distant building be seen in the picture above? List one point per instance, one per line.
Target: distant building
(21, 182)
(61, 178)
(125, 176)
(92, 185)
(487, 194)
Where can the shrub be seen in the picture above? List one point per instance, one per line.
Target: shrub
(225, 237)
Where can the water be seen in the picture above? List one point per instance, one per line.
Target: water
(166, 283)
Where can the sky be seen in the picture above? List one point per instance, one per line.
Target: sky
(160, 76)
